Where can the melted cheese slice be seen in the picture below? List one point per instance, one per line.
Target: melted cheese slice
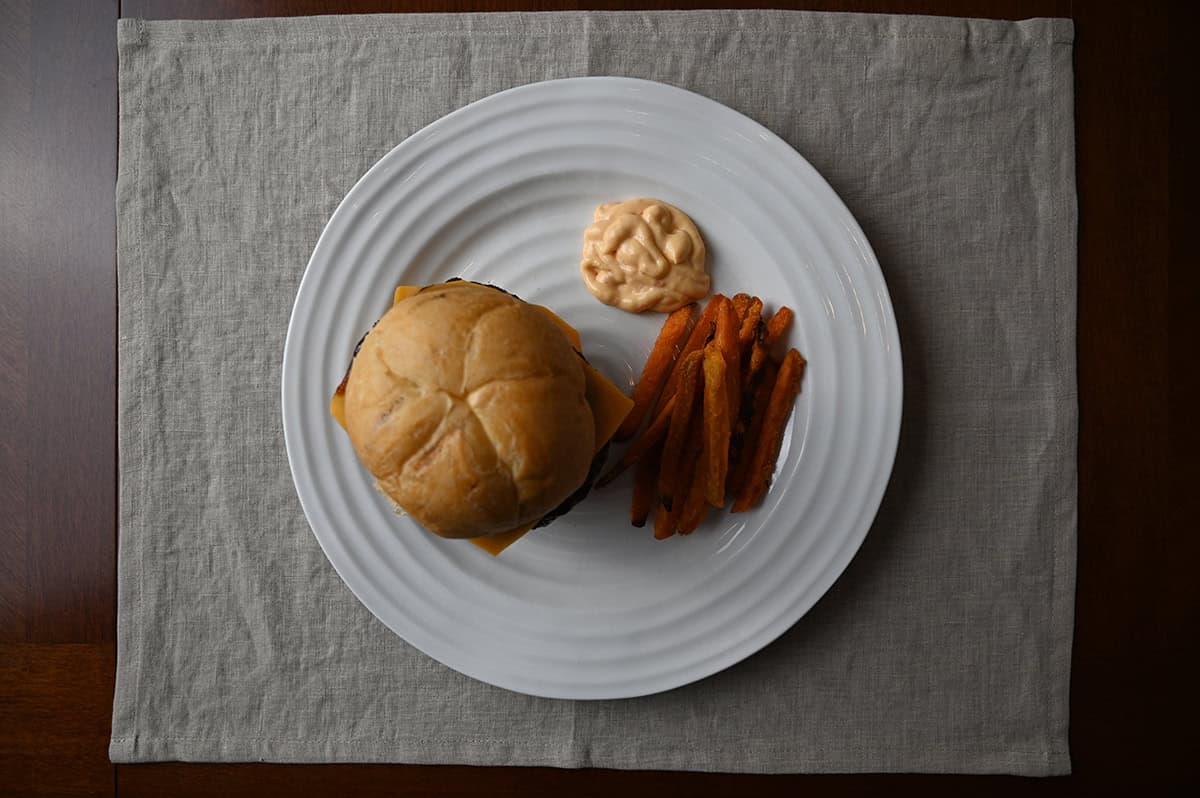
(609, 408)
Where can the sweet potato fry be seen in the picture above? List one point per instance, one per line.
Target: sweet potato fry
(769, 335)
(742, 389)
(725, 339)
(689, 478)
(699, 336)
(681, 423)
(658, 366)
(644, 479)
(749, 319)
(725, 335)
(749, 426)
(727, 323)
(651, 436)
(754, 356)
(740, 303)
(716, 425)
(766, 448)
(694, 507)
(778, 325)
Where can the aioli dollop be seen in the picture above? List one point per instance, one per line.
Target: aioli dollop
(644, 254)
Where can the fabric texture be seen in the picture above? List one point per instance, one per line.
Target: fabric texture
(946, 644)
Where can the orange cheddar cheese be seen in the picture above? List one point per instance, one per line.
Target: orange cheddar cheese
(609, 408)
(609, 405)
(569, 331)
(494, 544)
(403, 292)
(337, 409)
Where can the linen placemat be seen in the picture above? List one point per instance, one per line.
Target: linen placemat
(946, 644)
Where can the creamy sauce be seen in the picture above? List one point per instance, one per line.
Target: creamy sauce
(644, 254)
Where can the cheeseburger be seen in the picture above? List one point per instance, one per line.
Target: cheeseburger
(476, 412)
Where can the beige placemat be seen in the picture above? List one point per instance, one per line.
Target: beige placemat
(946, 644)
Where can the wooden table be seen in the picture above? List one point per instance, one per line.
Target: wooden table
(1136, 606)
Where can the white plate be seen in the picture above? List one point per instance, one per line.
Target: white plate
(500, 191)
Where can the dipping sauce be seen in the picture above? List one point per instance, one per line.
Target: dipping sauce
(644, 254)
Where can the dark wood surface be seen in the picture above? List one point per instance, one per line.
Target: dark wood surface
(1136, 612)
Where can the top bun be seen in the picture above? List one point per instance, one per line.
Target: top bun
(468, 406)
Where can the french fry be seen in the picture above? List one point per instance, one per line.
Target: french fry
(651, 436)
(689, 476)
(766, 448)
(644, 480)
(701, 331)
(740, 303)
(749, 426)
(694, 507)
(778, 325)
(742, 390)
(658, 365)
(769, 335)
(725, 336)
(755, 355)
(750, 318)
(681, 418)
(716, 425)
(725, 339)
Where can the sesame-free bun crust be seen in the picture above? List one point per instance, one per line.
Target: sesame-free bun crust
(468, 406)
